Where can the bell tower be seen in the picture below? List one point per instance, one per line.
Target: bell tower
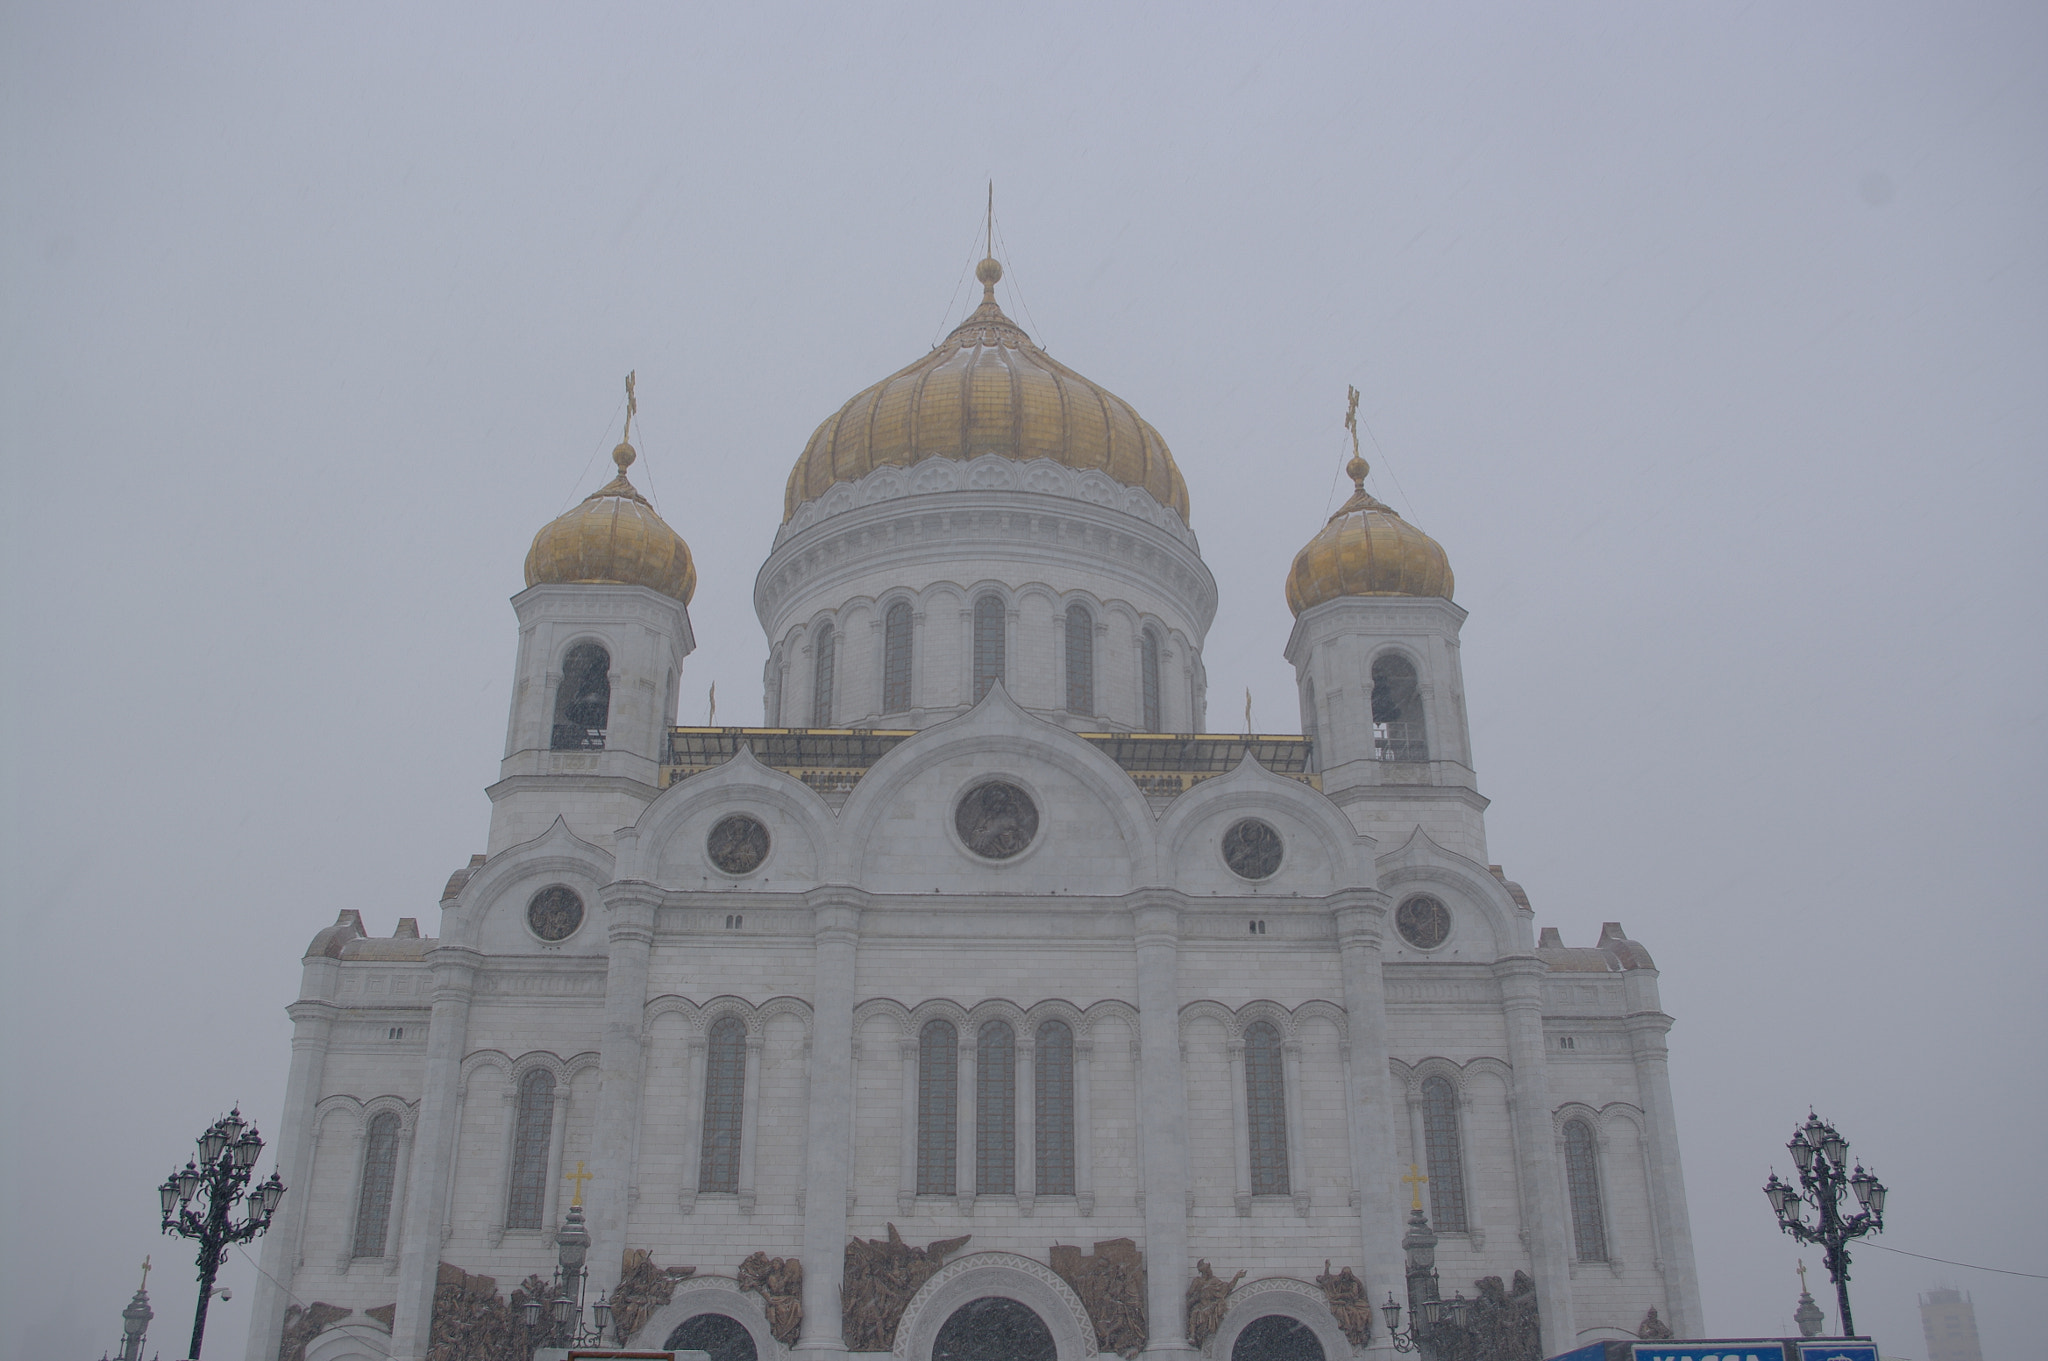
(604, 626)
(1375, 654)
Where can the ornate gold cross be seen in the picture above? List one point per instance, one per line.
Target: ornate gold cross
(1802, 1275)
(579, 1176)
(632, 408)
(1413, 1181)
(1351, 418)
(145, 1273)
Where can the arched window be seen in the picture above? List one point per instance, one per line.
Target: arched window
(1397, 711)
(725, 1086)
(821, 677)
(896, 658)
(988, 645)
(533, 1124)
(1276, 1337)
(725, 1339)
(380, 1176)
(1053, 1109)
(1148, 681)
(1265, 1095)
(938, 1100)
(1080, 660)
(1582, 1181)
(583, 701)
(995, 1110)
(1445, 1155)
(994, 1328)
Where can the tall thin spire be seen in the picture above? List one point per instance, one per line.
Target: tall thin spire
(1357, 468)
(989, 270)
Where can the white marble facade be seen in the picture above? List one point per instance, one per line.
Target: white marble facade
(869, 917)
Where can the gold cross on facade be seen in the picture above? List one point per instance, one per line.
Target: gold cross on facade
(579, 1176)
(1413, 1181)
(1802, 1275)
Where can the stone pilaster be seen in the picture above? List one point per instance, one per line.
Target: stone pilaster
(1361, 924)
(1163, 1135)
(312, 1027)
(454, 968)
(629, 934)
(1646, 1030)
(1546, 1227)
(828, 1170)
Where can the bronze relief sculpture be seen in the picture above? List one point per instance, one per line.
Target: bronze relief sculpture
(1208, 1302)
(882, 1275)
(779, 1281)
(1111, 1283)
(1349, 1304)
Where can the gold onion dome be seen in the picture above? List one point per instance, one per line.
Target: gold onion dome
(1366, 549)
(613, 538)
(986, 390)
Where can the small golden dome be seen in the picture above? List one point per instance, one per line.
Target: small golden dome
(987, 390)
(613, 538)
(1366, 549)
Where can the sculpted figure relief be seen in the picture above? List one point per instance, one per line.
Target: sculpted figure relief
(1208, 1301)
(1503, 1326)
(1652, 1328)
(1111, 1283)
(1349, 1304)
(303, 1325)
(643, 1288)
(473, 1322)
(779, 1281)
(881, 1277)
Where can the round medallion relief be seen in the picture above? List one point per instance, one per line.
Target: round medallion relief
(1423, 922)
(738, 844)
(1252, 848)
(996, 820)
(555, 912)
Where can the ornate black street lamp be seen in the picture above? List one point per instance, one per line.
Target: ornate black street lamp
(227, 1160)
(1820, 1155)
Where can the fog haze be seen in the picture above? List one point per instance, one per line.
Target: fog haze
(1711, 343)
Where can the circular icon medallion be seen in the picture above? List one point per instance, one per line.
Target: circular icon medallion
(555, 912)
(738, 844)
(996, 819)
(1252, 849)
(1423, 922)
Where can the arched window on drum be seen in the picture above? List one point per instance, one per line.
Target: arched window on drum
(1397, 729)
(1080, 660)
(823, 662)
(1148, 680)
(896, 658)
(533, 1127)
(990, 618)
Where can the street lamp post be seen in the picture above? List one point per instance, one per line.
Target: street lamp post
(1435, 1324)
(227, 1160)
(1820, 1157)
(572, 1275)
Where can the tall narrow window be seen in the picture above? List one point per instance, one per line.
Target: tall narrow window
(896, 659)
(1582, 1181)
(583, 701)
(380, 1176)
(821, 677)
(995, 1110)
(1080, 660)
(1265, 1095)
(1397, 711)
(938, 1100)
(725, 1085)
(988, 645)
(533, 1124)
(1148, 666)
(1445, 1155)
(1053, 1112)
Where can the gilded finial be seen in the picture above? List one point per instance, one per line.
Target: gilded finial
(989, 270)
(145, 1277)
(624, 455)
(1357, 468)
(579, 1176)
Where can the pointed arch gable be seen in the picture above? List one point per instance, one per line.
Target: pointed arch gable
(1324, 850)
(509, 878)
(666, 845)
(1471, 890)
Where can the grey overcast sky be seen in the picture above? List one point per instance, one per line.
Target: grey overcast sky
(1711, 342)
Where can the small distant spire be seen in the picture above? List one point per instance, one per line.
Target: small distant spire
(1357, 468)
(989, 271)
(624, 454)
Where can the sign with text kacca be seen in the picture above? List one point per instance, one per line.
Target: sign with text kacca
(1728, 1349)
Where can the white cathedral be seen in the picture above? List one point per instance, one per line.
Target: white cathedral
(981, 1005)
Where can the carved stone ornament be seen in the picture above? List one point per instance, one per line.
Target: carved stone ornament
(996, 820)
(473, 1322)
(1208, 1302)
(737, 844)
(555, 912)
(881, 1277)
(1423, 922)
(643, 1288)
(1503, 1325)
(1111, 1283)
(779, 1281)
(303, 1325)
(1252, 849)
(1349, 1304)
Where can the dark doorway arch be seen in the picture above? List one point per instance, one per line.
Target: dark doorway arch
(993, 1328)
(727, 1339)
(1277, 1337)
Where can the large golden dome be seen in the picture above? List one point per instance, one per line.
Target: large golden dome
(1366, 549)
(987, 390)
(613, 538)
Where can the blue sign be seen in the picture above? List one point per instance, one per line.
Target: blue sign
(1837, 1351)
(1753, 1349)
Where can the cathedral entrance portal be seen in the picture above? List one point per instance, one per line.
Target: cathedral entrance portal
(1277, 1338)
(993, 1328)
(727, 1339)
